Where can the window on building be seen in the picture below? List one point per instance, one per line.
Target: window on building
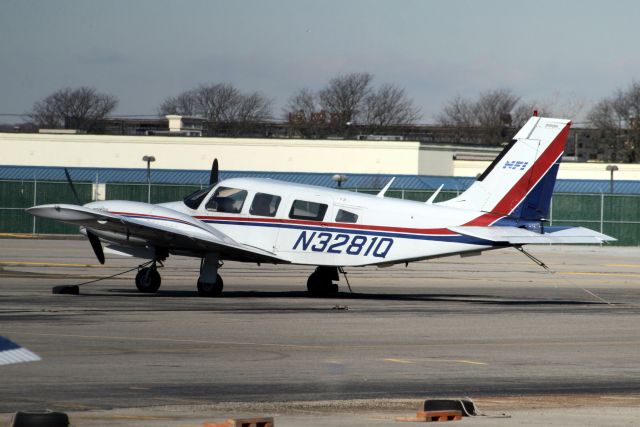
(225, 199)
(346, 216)
(307, 210)
(265, 204)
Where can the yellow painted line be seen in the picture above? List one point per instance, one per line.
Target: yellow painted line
(470, 362)
(621, 397)
(45, 264)
(588, 273)
(20, 235)
(623, 265)
(398, 361)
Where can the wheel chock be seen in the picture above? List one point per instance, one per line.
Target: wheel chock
(66, 289)
(243, 422)
(433, 416)
(40, 418)
(466, 406)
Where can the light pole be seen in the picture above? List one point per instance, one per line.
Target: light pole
(612, 169)
(339, 179)
(149, 159)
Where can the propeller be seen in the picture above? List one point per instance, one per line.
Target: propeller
(213, 178)
(93, 238)
(73, 188)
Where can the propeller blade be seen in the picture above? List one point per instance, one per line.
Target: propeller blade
(73, 188)
(96, 245)
(213, 178)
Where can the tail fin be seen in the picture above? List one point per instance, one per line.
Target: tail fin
(518, 184)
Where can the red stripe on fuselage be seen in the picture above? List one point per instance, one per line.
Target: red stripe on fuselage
(521, 188)
(438, 231)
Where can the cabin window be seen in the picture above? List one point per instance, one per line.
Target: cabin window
(194, 199)
(265, 204)
(307, 210)
(346, 216)
(225, 199)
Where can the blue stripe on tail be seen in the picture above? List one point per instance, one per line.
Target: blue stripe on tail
(535, 206)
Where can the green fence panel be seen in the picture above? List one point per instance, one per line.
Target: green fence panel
(49, 226)
(132, 192)
(578, 207)
(627, 234)
(621, 208)
(16, 194)
(171, 193)
(60, 192)
(15, 221)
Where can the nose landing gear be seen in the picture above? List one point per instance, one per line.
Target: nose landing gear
(148, 279)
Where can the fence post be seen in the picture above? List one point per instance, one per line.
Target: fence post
(35, 199)
(601, 211)
(402, 192)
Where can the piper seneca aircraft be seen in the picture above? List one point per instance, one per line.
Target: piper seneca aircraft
(268, 221)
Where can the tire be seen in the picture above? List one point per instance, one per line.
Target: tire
(211, 290)
(148, 280)
(40, 419)
(320, 286)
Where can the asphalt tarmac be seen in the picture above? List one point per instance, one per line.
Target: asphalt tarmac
(494, 327)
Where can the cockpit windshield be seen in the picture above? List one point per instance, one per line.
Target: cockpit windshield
(194, 199)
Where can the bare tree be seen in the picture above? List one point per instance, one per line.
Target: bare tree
(491, 109)
(304, 116)
(349, 99)
(301, 106)
(253, 107)
(221, 104)
(389, 105)
(77, 108)
(344, 96)
(183, 104)
(618, 118)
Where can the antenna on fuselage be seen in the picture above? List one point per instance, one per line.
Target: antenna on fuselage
(386, 187)
(434, 195)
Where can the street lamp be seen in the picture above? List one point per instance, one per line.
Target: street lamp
(339, 179)
(612, 169)
(148, 159)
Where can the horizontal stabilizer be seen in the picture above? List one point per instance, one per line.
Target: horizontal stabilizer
(11, 352)
(522, 236)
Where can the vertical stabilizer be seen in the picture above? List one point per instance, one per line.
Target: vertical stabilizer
(518, 184)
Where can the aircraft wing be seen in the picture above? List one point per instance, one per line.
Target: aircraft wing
(521, 236)
(173, 230)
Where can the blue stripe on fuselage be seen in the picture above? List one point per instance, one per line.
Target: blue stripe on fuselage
(454, 238)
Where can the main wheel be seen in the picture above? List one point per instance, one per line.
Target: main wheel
(319, 285)
(210, 289)
(148, 280)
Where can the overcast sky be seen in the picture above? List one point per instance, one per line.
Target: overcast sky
(143, 51)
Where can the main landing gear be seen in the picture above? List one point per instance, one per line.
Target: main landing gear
(320, 283)
(210, 283)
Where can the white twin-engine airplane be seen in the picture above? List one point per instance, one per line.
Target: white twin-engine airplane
(267, 221)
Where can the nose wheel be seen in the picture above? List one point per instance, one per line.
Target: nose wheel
(148, 280)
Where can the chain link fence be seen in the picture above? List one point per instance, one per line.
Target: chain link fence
(616, 215)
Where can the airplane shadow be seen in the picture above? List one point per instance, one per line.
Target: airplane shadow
(355, 296)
